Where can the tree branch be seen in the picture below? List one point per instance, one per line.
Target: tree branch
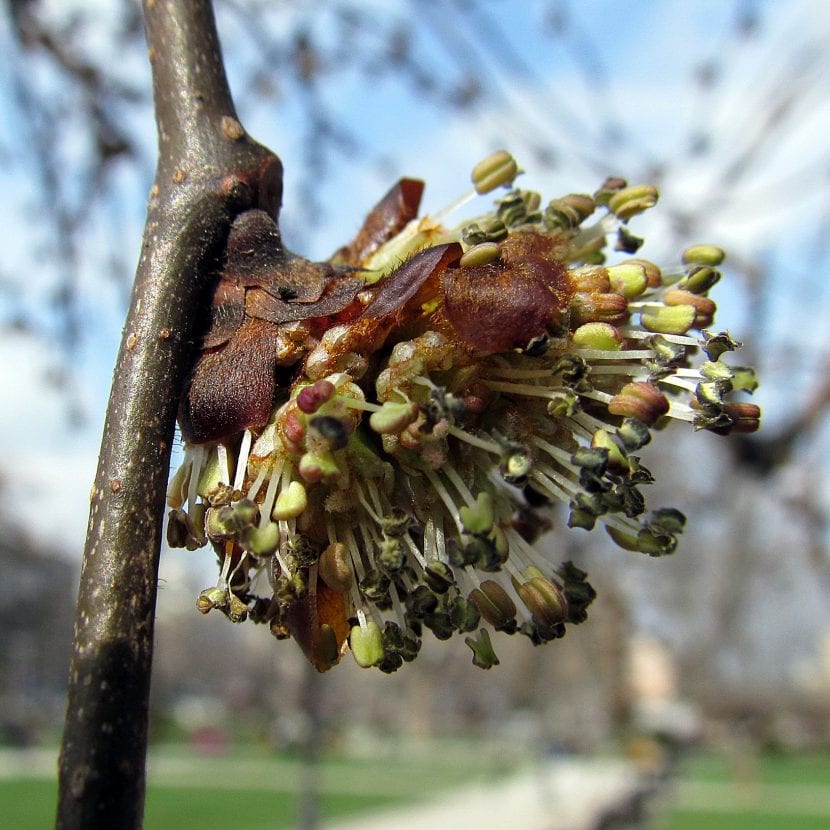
(208, 171)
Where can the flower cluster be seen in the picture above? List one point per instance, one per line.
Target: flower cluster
(371, 446)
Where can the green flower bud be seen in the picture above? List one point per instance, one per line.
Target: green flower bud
(496, 170)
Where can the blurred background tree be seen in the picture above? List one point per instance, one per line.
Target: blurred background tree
(722, 105)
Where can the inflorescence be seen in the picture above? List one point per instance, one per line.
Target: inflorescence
(371, 444)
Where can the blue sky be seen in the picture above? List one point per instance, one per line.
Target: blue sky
(641, 56)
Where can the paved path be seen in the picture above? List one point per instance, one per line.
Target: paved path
(566, 794)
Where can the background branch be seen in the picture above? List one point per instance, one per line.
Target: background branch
(208, 170)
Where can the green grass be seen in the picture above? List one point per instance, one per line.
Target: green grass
(768, 792)
(681, 820)
(255, 790)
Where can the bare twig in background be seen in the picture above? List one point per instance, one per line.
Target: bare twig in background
(208, 170)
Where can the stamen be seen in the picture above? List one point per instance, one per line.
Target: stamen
(242, 460)
(224, 471)
(439, 488)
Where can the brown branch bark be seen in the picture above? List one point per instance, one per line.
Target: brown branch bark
(208, 171)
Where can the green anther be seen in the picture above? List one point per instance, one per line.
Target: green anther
(487, 230)
(212, 598)
(715, 370)
(178, 528)
(653, 541)
(668, 518)
(699, 279)
(479, 517)
(237, 610)
(326, 653)
(314, 467)
(438, 576)
(704, 255)
(210, 479)
(517, 467)
(744, 378)
(483, 654)
(711, 392)
(564, 404)
(628, 279)
(480, 254)
(464, 614)
(291, 502)
(632, 200)
(592, 459)
(627, 540)
(634, 434)
(393, 417)
(495, 605)
(440, 624)
(498, 538)
(716, 344)
(543, 599)
(391, 555)
(366, 643)
(601, 336)
(676, 319)
(245, 511)
(617, 459)
(263, 541)
(495, 171)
